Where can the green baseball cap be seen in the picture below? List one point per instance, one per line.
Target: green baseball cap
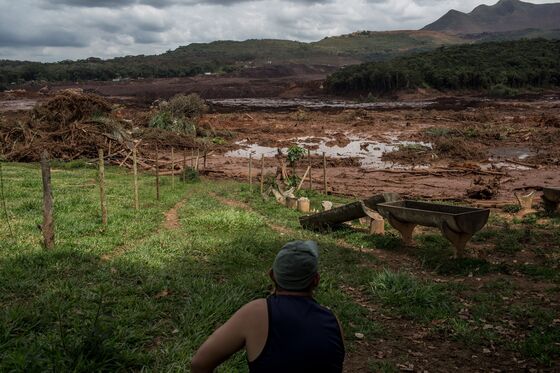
(296, 264)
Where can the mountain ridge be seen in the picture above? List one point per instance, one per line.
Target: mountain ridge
(504, 16)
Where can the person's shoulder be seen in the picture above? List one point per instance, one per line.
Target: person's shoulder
(255, 307)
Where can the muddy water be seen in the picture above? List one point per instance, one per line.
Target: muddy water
(368, 153)
(511, 153)
(274, 103)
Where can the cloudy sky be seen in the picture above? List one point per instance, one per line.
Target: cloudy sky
(52, 30)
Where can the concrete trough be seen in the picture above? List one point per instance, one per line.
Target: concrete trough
(457, 224)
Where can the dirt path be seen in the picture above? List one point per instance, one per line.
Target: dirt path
(171, 222)
(172, 216)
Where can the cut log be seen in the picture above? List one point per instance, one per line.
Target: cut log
(349, 212)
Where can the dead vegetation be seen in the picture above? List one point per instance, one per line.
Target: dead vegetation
(74, 125)
(484, 188)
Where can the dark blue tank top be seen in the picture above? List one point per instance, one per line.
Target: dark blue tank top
(303, 336)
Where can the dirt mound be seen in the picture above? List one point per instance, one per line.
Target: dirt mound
(410, 154)
(456, 148)
(71, 106)
(484, 188)
(549, 121)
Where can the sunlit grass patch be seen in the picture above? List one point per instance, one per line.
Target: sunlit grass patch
(411, 297)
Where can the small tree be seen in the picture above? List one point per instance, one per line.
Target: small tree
(295, 153)
(181, 114)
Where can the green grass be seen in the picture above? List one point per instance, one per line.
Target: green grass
(411, 297)
(152, 305)
(139, 296)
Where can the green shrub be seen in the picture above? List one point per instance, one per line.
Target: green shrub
(512, 209)
(180, 114)
(190, 107)
(190, 175)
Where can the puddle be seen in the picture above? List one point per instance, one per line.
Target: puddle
(368, 152)
(499, 158)
(511, 153)
(316, 103)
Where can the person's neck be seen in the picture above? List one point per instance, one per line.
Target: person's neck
(294, 293)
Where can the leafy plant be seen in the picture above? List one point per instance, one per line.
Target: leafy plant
(190, 175)
(180, 114)
(295, 153)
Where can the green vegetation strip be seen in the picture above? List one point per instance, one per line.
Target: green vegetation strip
(501, 68)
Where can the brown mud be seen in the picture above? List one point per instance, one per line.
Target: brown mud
(436, 148)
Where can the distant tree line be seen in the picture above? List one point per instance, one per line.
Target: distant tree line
(163, 66)
(511, 64)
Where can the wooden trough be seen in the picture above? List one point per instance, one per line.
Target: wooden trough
(551, 198)
(457, 224)
(349, 212)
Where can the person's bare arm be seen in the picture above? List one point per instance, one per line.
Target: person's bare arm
(224, 342)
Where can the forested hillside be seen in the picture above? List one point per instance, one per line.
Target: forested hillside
(486, 66)
(227, 56)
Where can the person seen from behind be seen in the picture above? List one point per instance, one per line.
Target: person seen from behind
(286, 332)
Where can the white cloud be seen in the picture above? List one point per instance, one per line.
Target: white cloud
(50, 30)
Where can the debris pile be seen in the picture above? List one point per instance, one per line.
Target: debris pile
(484, 188)
(74, 125)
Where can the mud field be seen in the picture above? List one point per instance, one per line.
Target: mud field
(427, 151)
(435, 148)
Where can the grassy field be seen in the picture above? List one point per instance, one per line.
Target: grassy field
(143, 295)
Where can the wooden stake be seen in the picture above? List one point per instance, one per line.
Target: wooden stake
(251, 172)
(4, 206)
(172, 168)
(205, 156)
(48, 220)
(157, 172)
(303, 178)
(102, 196)
(197, 158)
(262, 174)
(135, 170)
(184, 160)
(309, 161)
(192, 158)
(325, 172)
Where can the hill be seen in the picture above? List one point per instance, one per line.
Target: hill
(505, 16)
(228, 56)
(495, 66)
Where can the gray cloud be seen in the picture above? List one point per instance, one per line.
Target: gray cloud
(158, 3)
(48, 38)
(51, 30)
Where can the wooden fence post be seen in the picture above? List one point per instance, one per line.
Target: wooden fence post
(192, 158)
(205, 156)
(172, 168)
(197, 158)
(262, 174)
(309, 161)
(157, 172)
(3, 197)
(102, 196)
(48, 221)
(184, 161)
(251, 172)
(325, 172)
(135, 170)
